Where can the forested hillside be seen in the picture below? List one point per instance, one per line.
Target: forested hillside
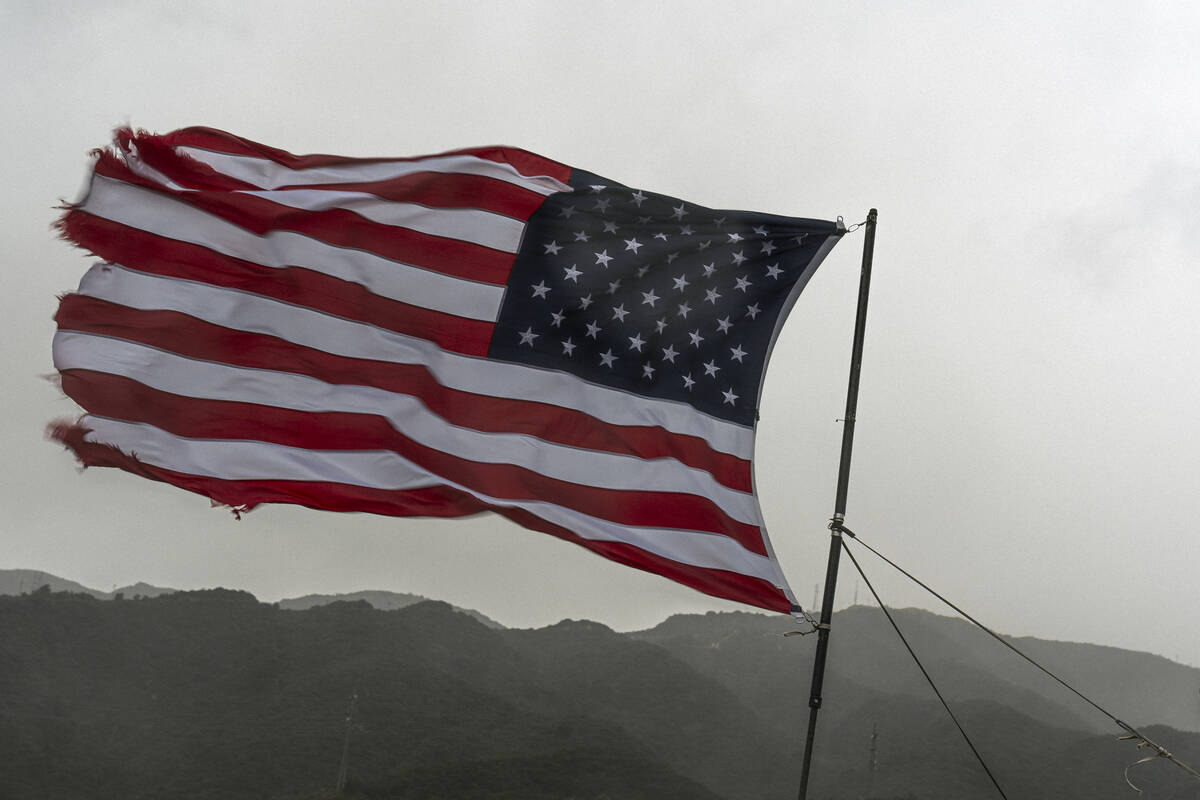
(214, 695)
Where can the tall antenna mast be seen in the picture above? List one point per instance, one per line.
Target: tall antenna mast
(874, 762)
(344, 766)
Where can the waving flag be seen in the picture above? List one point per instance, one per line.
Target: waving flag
(481, 330)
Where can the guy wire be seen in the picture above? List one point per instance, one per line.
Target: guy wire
(1132, 733)
(924, 672)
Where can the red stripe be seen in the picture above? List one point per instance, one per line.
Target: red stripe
(447, 190)
(183, 169)
(436, 189)
(158, 255)
(338, 227)
(194, 338)
(525, 162)
(434, 501)
(719, 583)
(122, 398)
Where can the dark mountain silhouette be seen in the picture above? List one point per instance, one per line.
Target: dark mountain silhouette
(865, 654)
(382, 600)
(213, 694)
(24, 581)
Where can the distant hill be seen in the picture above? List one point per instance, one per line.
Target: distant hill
(967, 664)
(382, 600)
(212, 694)
(24, 581)
(141, 589)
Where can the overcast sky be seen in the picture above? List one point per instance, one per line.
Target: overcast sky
(1028, 438)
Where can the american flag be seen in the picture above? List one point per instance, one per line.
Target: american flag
(480, 330)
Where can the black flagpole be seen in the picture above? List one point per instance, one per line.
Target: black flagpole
(839, 506)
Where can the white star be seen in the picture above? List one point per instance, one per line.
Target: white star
(800, 239)
(638, 198)
(642, 270)
(660, 235)
(644, 220)
(711, 296)
(696, 337)
(607, 358)
(585, 301)
(681, 282)
(704, 245)
(540, 289)
(633, 244)
(581, 236)
(527, 336)
(592, 329)
(602, 204)
(568, 348)
(735, 237)
(724, 325)
(557, 318)
(597, 187)
(738, 258)
(688, 383)
(649, 298)
(730, 396)
(709, 269)
(603, 258)
(686, 230)
(610, 227)
(761, 230)
(660, 325)
(738, 353)
(669, 352)
(768, 248)
(572, 273)
(552, 249)
(671, 257)
(752, 311)
(711, 368)
(773, 271)
(619, 313)
(741, 284)
(567, 211)
(636, 341)
(679, 211)
(647, 371)
(719, 221)
(614, 285)
(684, 308)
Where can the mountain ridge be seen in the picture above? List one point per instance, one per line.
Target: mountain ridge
(25, 581)
(213, 694)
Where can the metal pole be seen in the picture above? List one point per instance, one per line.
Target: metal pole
(839, 506)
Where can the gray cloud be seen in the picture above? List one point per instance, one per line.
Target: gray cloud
(1029, 384)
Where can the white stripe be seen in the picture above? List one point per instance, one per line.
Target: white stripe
(408, 415)
(251, 460)
(156, 213)
(267, 174)
(465, 224)
(309, 328)
(237, 460)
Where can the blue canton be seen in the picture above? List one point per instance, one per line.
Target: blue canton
(653, 295)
